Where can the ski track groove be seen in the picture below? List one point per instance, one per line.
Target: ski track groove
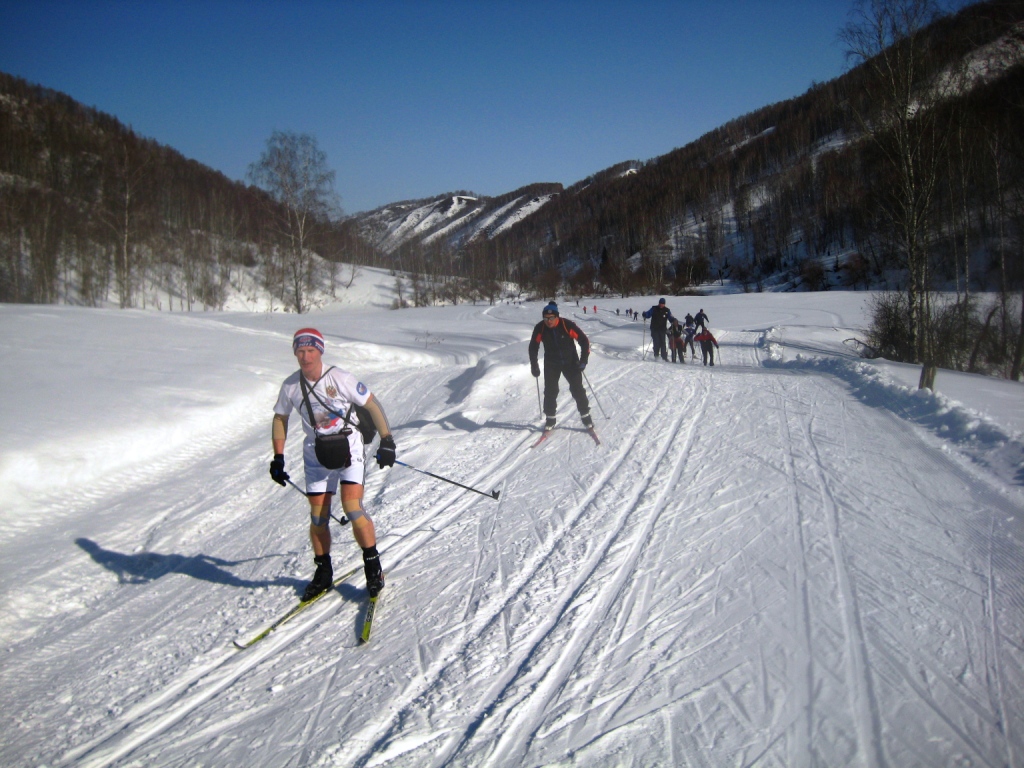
(1000, 705)
(979, 533)
(859, 686)
(914, 683)
(302, 757)
(527, 715)
(642, 594)
(361, 746)
(142, 723)
(631, 602)
(804, 684)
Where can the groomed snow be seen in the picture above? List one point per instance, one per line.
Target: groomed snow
(794, 558)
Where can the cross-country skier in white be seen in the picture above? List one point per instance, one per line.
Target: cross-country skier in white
(329, 394)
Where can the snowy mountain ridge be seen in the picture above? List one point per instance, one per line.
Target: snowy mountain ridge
(454, 218)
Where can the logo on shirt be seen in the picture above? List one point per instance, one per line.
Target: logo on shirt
(331, 390)
(361, 388)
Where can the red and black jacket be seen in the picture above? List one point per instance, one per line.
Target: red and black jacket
(559, 343)
(705, 335)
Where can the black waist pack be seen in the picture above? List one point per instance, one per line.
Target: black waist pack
(333, 451)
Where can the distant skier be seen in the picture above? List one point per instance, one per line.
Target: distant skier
(324, 400)
(689, 330)
(659, 315)
(701, 320)
(708, 345)
(675, 341)
(559, 337)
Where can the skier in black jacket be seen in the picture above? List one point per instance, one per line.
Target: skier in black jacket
(660, 316)
(701, 320)
(560, 337)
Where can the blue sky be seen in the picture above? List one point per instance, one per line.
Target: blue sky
(413, 99)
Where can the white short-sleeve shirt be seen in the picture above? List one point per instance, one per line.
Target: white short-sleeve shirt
(337, 389)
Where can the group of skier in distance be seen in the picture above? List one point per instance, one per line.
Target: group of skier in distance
(666, 329)
(333, 404)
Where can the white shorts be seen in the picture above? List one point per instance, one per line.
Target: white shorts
(319, 479)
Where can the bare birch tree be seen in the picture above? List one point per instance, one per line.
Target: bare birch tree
(888, 37)
(294, 171)
(120, 212)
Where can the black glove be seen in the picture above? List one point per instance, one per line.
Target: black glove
(386, 452)
(535, 368)
(277, 473)
(583, 365)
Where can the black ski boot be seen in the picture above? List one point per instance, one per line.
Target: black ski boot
(374, 573)
(588, 420)
(322, 579)
(549, 424)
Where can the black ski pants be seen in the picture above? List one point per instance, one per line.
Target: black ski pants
(658, 337)
(707, 351)
(574, 376)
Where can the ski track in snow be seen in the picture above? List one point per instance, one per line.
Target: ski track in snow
(755, 567)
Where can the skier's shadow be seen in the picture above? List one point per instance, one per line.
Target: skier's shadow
(149, 566)
(458, 422)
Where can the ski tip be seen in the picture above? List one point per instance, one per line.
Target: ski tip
(239, 645)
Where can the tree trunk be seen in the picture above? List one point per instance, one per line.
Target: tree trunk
(927, 380)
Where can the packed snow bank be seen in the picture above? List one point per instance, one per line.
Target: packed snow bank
(995, 446)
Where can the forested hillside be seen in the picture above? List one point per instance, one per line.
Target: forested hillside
(91, 212)
(778, 192)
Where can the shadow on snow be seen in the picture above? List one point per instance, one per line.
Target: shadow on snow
(148, 566)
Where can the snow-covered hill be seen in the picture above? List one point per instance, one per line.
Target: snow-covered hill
(455, 219)
(793, 558)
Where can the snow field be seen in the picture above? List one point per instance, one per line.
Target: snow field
(784, 560)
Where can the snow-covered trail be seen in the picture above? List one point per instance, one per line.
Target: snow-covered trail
(756, 567)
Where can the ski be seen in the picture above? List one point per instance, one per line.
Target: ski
(295, 611)
(543, 436)
(371, 609)
(547, 433)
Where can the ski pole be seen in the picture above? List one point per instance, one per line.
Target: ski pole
(644, 340)
(539, 406)
(492, 494)
(293, 485)
(594, 394)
